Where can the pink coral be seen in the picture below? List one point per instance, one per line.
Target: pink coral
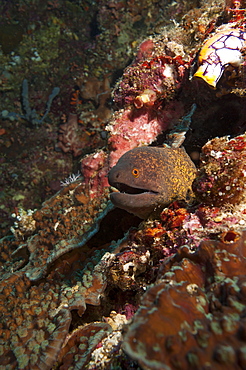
(145, 50)
(130, 128)
(95, 168)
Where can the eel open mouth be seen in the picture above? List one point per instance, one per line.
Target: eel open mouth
(123, 188)
(138, 201)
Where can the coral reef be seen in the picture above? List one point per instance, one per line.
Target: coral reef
(46, 45)
(70, 295)
(194, 315)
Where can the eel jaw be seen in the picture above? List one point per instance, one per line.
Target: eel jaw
(141, 202)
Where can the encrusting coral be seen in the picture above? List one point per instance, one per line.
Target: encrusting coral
(144, 83)
(222, 172)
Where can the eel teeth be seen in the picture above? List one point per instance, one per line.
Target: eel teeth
(113, 189)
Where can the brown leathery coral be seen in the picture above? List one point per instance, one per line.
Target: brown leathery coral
(194, 316)
(79, 345)
(61, 224)
(35, 318)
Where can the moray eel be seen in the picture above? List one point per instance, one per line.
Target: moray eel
(150, 178)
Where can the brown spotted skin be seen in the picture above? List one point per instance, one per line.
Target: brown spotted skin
(156, 177)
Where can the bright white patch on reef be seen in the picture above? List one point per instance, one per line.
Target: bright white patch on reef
(71, 178)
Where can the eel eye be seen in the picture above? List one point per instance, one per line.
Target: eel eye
(135, 172)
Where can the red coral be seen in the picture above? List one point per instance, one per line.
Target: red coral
(173, 218)
(162, 75)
